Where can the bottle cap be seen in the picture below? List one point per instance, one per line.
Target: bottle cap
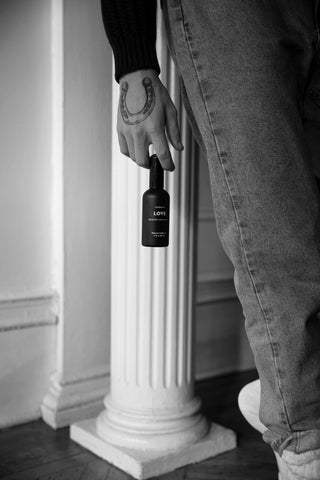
(156, 172)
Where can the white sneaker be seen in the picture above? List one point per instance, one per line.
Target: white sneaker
(302, 466)
(292, 466)
(249, 402)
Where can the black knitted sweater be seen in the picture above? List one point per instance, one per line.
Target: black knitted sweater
(131, 29)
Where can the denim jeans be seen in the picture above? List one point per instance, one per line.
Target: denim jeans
(249, 73)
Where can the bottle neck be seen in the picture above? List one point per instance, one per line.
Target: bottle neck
(156, 173)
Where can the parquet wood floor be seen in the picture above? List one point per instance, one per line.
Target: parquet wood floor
(34, 451)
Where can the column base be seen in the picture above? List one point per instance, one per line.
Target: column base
(143, 464)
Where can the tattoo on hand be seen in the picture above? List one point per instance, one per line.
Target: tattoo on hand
(134, 118)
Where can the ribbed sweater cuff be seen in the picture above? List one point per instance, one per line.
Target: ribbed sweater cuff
(134, 53)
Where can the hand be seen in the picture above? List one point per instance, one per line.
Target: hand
(145, 111)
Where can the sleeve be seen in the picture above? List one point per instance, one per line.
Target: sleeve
(131, 29)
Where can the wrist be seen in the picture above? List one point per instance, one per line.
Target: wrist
(138, 75)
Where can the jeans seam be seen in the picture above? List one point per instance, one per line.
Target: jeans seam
(237, 220)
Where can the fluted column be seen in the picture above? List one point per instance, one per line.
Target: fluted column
(151, 407)
(152, 313)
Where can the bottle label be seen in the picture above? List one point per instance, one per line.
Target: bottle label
(160, 221)
(155, 219)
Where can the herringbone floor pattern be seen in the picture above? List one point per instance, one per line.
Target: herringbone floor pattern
(36, 452)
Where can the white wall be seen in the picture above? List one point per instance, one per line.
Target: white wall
(43, 331)
(27, 320)
(25, 174)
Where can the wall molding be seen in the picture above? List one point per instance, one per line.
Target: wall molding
(214, 288)
(28, 310)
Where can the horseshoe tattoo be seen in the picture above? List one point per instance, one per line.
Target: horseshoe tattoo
(134, 118)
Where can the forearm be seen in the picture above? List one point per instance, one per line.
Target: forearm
(130, 27)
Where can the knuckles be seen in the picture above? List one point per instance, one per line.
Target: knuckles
(124, 152)
(142, 164)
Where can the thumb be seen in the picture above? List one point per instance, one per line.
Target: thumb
(172, 129)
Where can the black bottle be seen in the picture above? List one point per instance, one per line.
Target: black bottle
(155, 209)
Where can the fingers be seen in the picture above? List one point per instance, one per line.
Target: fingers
(141, 151)
(172, 128)
(131, 148)
(123, 144)
(126, 146)
(160, 144)
(136, 147)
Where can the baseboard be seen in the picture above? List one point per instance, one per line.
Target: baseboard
(213, 288)
(223, 356)
(74, 400)
(206, 214)
(230, 369)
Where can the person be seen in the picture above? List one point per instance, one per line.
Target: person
(249, 76)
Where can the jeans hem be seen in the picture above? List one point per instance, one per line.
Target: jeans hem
(297, 442)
